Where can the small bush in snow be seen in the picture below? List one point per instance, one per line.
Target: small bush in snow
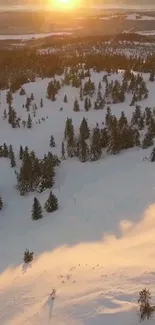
(145, 308)
(28, 256)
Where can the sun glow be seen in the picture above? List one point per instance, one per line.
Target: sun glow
(65, 4)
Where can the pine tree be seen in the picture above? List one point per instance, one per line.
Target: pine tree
(95, 150)
(4, 114)
(36, 210)
(123, 120)
(12, 157)
(29, 122)
(9, 98)
(104, 138)
(32, 97)
(51, 204)
(86, 104)
(62, 150)
(83, 150)
(84, 130)
(5, 150)
(152, 76)
(81, 93)
(147, 141)
(152, 156)
(21, 153)
(52, 142)
(76, 106)
(41, 103)
(141, 123)
(22, 92)
(65, 99)
(1, 204)
(89, 103)
(28, 103)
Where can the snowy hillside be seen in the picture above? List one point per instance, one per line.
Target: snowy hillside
(97, 249)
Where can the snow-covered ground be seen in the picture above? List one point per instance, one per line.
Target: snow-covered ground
(97, 250)
(27, 37)
(135, 16)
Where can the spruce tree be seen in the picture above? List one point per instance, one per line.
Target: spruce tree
(41, 103)
(83, 150)
(4, 114)
(65, 99)
(1, 204)
(27, 105)
(123, 120)
(5, 150)
(12, 157)
(147, 141)
(89, 103)
(95, 149)
(22, 92)
(62, 150)
(76, 106)
(152, 76)
(86, 104)
(32, 97)
(141, 123)
(84, 130)
(29, 122)
(36, 210)
(51, 204)
(81, 93)
(21, 153)
(52, 142)
(152, 156)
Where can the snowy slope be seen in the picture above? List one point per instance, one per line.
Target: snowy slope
(97, 250)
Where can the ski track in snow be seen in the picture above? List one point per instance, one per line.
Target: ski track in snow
(97, 250)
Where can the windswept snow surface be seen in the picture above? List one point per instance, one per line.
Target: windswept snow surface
(135, 16)
(97, 250)
(26, 37)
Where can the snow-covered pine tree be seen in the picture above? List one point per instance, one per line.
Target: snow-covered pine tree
(5, 150)
(63, 151)
(84, 130)
(29, 122)
(22, 92)
(81, 93)
(147, 141)
(36, 210)
(1, 203)
(65, 99)
(12, 157)
(152, 76)
(4, 114)
(32, 96)
(152, 156)
(52, 142)
(95, 149)
(21, 153)
(86, 104)
(83, 150)
(76, 107)
(41, 103)
(51, 204)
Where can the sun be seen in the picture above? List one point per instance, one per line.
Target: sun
(65, 4)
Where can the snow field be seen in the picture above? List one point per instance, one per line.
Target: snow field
(97, 250)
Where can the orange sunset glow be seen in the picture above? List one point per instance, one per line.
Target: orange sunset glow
(65, 4)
